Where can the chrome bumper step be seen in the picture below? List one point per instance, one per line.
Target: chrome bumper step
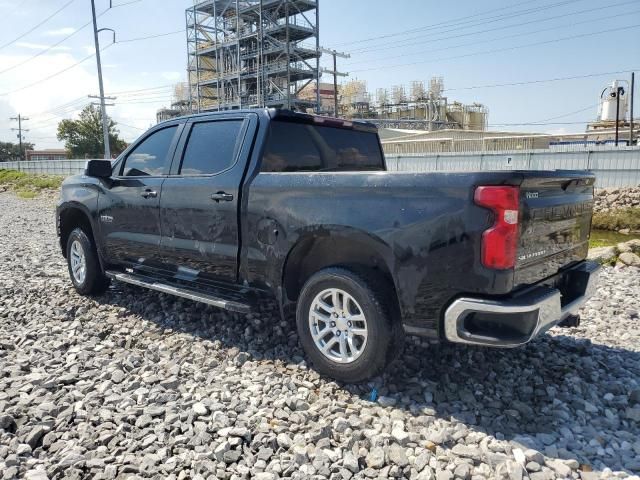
(543, 306)
(140, 281)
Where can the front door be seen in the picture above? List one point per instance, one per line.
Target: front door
(199, 204)
(129, 207)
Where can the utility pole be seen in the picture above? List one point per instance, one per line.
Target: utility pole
(632, 88)
(619, 91)
(103, 111)
(20, 119)
(335, 74)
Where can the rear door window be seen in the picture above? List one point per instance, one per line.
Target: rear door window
(212, 147)
(300, 147)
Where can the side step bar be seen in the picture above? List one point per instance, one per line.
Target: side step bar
(180, 292)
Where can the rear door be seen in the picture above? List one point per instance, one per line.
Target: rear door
(200, 199)
(129, 208)
(556, 222)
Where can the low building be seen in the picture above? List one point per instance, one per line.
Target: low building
(401, 142)
(50, 154)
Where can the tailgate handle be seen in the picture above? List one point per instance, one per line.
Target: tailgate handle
(570, 183)
(222, 196)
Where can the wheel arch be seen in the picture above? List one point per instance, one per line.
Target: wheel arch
(70, 217)
(335, 247)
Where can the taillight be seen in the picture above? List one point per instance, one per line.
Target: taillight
(500, 242)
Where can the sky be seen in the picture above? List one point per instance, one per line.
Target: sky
(473, 45)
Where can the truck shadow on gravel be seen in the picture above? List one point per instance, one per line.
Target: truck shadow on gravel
(561, 395)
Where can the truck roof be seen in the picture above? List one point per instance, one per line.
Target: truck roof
(291, 116)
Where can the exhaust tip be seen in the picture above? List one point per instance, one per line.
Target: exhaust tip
(571, 321)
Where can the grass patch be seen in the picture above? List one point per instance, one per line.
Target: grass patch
(8, 176)
(607, 238)
(28, 185)
(595, 243)
(617, 219)
(26, 193)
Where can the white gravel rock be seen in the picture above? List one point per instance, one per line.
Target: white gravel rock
(136, 384)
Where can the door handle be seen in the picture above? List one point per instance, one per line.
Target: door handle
(222, 196)
(148, 193)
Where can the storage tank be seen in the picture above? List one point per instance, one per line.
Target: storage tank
(609, 101)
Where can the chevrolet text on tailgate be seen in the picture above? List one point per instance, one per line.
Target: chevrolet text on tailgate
(230, 208)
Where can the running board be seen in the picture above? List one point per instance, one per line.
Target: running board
(180, 292)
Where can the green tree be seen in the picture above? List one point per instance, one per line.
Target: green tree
(11, 151)
(83, 137)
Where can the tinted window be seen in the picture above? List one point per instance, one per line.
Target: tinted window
(149, 157)
(290, 149)
(299, 147)
(212, 147)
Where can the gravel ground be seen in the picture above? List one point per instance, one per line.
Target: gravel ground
(139, 384)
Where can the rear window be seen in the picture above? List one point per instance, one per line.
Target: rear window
(299, 147)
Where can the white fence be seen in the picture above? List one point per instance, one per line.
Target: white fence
(615, 167)
(50, 167)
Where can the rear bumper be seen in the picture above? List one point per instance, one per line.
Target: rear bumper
(514, 321)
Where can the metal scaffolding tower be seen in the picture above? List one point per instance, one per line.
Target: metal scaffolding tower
(252, 53)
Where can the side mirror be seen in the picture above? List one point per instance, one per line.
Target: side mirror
(98, 168)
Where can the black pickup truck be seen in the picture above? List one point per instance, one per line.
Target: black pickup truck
(229, 207)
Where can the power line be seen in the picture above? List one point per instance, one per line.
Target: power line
(58, 115)
(495, 29)
(130, 126)
(546, 80)
(158, 100)
(144, 89)
(84, 59)
(568, 114)
(81, 102)
(24, 87)
(457, 21)
(536, 124)
(37, 25)
(137, 39)
(42, 52)
(473, 54)
(64, 106)
(490, 40)
(126, 3)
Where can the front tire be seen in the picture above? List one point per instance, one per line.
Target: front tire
(84, 267)
(345, 324)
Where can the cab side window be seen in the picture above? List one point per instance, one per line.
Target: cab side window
(212, 147)
(290, 148)
(149, 158)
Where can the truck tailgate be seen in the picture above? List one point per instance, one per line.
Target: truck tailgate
(555, 212)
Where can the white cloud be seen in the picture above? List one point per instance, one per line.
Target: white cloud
(172, 76)
(72, 87)
(35, 102)
(40, 46)
(60, 32)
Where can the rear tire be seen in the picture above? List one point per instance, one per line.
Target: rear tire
(345, 324)
(84, 266)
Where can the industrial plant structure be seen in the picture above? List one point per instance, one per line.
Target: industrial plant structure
(415, 108)
(180, 104)
(252, 53)
(614, 126)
